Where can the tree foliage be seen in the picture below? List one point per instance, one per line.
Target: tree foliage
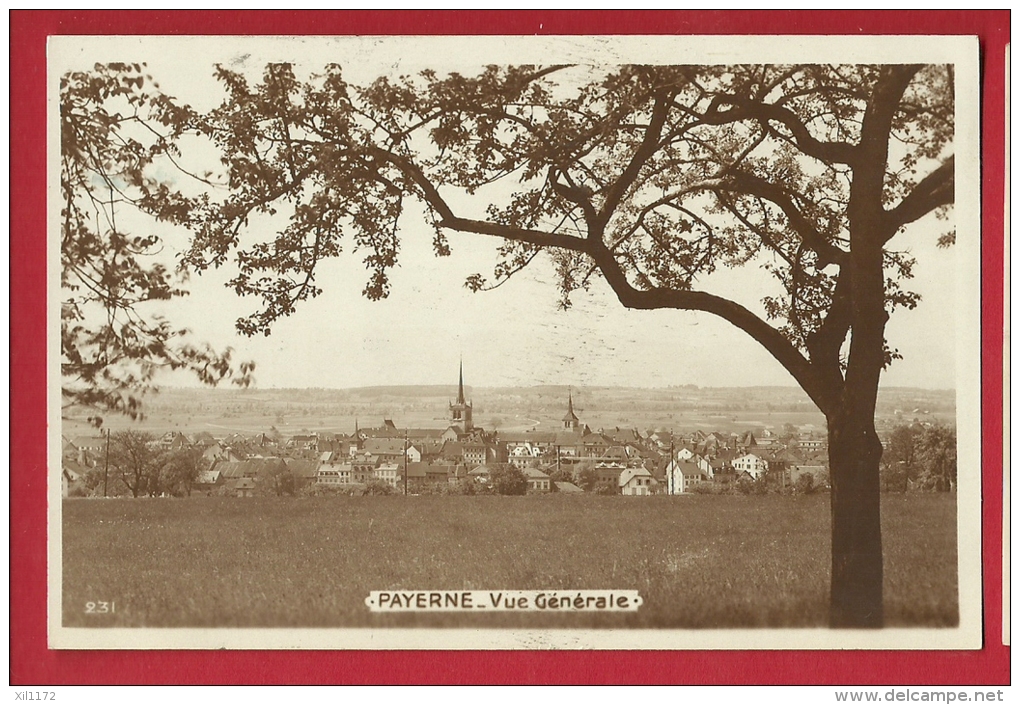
(936, 454)
(135, 461)
(921, 457)
(181, 469)
(375, 486)
(587, 479)
(117, 135)
(508, 480)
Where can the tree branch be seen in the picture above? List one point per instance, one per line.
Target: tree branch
(742, 182)
(649, 145)
(744, 109)
(768, 337)
(936, 189)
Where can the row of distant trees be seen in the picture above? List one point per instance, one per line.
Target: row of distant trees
(920, 458)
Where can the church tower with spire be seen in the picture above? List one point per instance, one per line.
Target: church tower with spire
(570, 421)
(460, 411)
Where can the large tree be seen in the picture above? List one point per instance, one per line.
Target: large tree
(135, 458)
(650, 177)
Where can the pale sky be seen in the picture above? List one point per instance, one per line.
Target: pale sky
(515, 335)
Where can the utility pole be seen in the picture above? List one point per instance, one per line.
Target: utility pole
(671, 468)
(405, 461)
(106, 465)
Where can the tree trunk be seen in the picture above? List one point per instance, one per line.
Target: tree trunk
(854, 455)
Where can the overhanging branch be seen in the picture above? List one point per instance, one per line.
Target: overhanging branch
(936, 189)
(768, 337)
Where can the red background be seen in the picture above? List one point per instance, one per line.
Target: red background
(32, 663)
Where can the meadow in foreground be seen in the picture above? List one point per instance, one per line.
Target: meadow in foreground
(698, 561)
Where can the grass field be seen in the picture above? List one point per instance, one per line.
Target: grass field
(698, 561)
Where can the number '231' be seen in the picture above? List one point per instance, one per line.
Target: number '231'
(100, 607)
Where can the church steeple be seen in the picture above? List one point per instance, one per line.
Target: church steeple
(570, 421)
(460, 411)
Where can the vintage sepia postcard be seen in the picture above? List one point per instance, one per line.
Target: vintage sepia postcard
(589, 342)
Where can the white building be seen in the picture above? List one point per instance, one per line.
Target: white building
(752, 464)
(682, 476)
(637, 481)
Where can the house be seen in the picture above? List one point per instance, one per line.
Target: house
(390, 473)
(217, 451)
(265, 440)
(245, 487)
(363, 468)
(174, 440)
(67, 448)
(684, 452)
(624, 436)
(208, 480)
(453, 451)
(595, 445)
(809, 445)
(304, 441)
(568, 488)
(682, 476)
(568, 445)
(538, 481)
(361, 473)
(251, 469)
(660, 438)
(721, 463)
(538, 442)
(276, 475)
(70, 478)
(457, 474)
(474, 453)
(333, 469)
(481, 474)
(417, 478)
(523, 455)
(750, 463)
(607, 475)
(747, 441)
(391, 450)
(203, 439)
(636, 481)
(235, 469)
(87, 450)
(303, 472)
(439, 473)
(815, 466)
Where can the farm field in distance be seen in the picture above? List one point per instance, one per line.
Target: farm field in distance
(291, 411)
(700, 561)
